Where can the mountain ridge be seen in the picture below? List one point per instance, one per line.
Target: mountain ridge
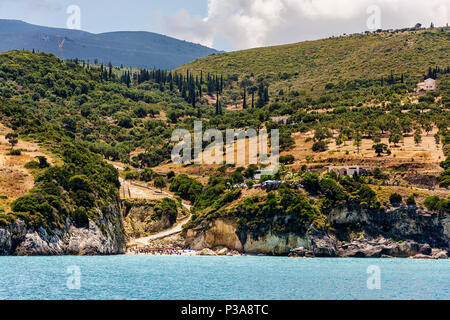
(138, 49)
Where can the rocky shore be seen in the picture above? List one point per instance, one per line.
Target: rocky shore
(106, 237)
(376, 248)
(355, 231)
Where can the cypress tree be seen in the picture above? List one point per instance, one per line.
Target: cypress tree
(253, 100)
(266, 95)
(218, 106)
(110, 70)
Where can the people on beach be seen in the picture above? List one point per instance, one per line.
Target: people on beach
(158, 251)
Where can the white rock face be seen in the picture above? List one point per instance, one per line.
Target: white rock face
(276, 245)
(223, 233)
(418, 230)
(223, 252)
(16, 239)
(207, 252)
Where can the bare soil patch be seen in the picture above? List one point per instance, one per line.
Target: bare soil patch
(15, 179)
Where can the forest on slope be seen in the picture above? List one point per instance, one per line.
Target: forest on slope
(87, 113)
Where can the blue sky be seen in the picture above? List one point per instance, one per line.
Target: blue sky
(233, 24)
(99, 15)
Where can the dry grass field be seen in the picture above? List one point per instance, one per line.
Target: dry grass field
(15, 179)
(427, 153)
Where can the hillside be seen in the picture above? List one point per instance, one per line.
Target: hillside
(132, 49)
(83, 115)
(68, 203)
(312, 65)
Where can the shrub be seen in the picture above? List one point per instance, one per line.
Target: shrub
(434, 203)
(80, 218)
(125, 122)
(311, 182)
(287, 159)
(187, 188)
(168, 208)
(395, 199)
(331, 190)
(5, 219)
(170, 175)
(131, 175)
(319, 146)
(377, 173)
(368, 196)
(146, 175)
(251, 171)
(15, 153)
(159, 183)
(32, 205)
(32, 165)
(83, 198)
(79, 182)
(411, 201)
(431, 203)
(43, 163)
(237, 177)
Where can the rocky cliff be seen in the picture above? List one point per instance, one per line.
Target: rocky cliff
(355, 232)
(224, 233)
(144, 217)
(103, 237)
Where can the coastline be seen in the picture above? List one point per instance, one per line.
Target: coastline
(218, 253)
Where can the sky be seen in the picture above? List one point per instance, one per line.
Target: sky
(233, 24)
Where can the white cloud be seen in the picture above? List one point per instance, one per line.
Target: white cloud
(252, 23)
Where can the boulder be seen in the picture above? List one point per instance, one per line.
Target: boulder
(300, 253)
(441, 254)
(323, 244)
(426, 249)
(223, 252)
(382, 247)
(207, 252)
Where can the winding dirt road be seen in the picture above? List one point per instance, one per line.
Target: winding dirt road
(134, 190)
(176, 229)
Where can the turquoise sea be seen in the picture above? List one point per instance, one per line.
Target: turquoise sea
(192, 278)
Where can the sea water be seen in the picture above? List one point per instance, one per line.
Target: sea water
(249, 278)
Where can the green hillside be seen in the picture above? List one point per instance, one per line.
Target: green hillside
(313, 64)
(86, 114)
(82, 115)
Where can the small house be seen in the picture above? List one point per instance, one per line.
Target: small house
(427, 85)
(350, 170)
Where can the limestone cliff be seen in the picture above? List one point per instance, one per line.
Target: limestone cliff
(103, 237)
(401, 223)
(224, 233)
(355, 232)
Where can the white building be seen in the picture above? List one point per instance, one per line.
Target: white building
(427, 85)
